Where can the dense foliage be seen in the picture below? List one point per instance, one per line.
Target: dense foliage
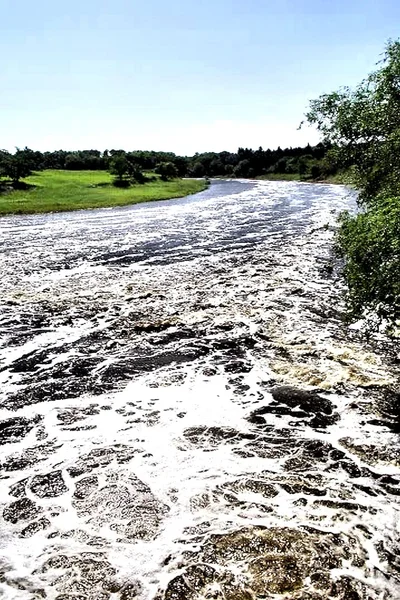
(363, 125)
(308, 162)
(15, 166)
(371, 244)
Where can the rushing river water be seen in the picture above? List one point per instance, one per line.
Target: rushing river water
(184, 414)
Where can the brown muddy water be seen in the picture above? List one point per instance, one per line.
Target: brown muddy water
(184, 414)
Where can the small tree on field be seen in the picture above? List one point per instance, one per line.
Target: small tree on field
(119, 167)
(125, 171)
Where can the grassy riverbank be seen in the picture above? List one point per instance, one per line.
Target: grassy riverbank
(56, 190)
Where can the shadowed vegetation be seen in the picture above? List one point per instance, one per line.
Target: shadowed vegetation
(363, 124)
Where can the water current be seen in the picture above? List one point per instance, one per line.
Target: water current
(183, 412)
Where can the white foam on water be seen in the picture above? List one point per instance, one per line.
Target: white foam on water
(244, 259)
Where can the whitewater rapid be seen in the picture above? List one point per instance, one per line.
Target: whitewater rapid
(183, 412)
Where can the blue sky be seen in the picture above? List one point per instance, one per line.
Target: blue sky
(179, 75)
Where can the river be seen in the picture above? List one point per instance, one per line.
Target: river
(184, 414)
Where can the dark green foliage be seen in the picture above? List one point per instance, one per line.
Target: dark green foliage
(126, 171)
(363, 126)
(16, 166)
(119, 166)
(242, 169)
(167, 171)
(244, 163)
(198, 169)
(371, 244)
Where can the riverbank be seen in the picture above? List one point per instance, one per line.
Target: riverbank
(342, 178)
(57, 190)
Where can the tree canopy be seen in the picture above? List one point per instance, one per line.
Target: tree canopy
(364, 124)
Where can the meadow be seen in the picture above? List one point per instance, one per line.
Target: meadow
(57, 190)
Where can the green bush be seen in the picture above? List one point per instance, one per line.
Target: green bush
(370, 242)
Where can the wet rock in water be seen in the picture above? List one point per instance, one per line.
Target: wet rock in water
(21, 510)
(299, 404)
(49, 485)
(307, 401)
(387, 403)
(259, 562)
(58, 389)
(14, 429)
(257, 416)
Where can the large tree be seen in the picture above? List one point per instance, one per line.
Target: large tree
(364, 124)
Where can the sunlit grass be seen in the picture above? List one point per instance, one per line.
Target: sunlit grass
(57, 190)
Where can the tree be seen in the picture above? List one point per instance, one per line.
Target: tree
(125, 170)
(364, 123)
(364, 126)
(119, 166)
(15, 166)
(242, 169)
(167, 170)
(198, 169)
(135, 173)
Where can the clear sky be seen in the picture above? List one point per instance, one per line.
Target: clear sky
(180, 75)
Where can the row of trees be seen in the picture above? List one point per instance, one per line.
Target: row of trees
(363, 124)
(309, 162)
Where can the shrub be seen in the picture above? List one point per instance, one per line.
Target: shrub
(370, 242)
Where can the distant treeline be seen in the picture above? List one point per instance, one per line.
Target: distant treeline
(309, 162)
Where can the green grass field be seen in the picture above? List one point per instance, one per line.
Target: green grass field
(73, 190)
